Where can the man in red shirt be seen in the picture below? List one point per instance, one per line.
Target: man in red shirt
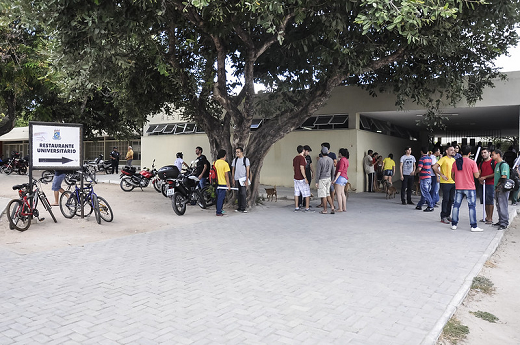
(486, 171)
(463, 172)
(301, 185)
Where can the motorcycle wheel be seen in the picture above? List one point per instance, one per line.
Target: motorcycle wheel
(157, 184)
(126, 185)
(47, 176)
(164, 189)
(8, 170)
(178, 204)
(209, 196)
(22, 170)
(199, 199)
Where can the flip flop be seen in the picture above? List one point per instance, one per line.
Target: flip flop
(332, 212)
(323, 212)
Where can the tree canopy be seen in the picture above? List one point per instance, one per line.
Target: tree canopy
(205, 56)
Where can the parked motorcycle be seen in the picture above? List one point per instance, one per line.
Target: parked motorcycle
(18, 165)
(100, 164)
(130, 179)
(184, 189)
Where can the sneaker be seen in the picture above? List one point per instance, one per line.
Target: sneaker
(496, 224)
(409, 203)
(219, 214)
(297, 209)
(428, 209)
(418, 208)
(514, 204)
(244, 211)
(449, 218)
(501, 227)
(404, 202)
(445, 220)
(476, 229)
(453, 227)
(308, 210)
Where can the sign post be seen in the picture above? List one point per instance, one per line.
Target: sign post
(55, 146)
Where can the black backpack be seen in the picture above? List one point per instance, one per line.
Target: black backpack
(513, 175)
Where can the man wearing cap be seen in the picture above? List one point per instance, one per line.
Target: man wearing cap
(114, 157)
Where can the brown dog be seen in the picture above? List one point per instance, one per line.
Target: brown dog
(348, 187)
(391, 191)
(271, 192)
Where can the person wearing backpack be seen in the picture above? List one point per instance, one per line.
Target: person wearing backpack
(240, 173)
(501, 194)
(222, 168)
(486, 170)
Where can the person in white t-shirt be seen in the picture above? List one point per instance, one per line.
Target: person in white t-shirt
(240, 173)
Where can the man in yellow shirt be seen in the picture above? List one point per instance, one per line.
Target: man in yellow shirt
(129, 156)
(443, 168)
(388, 168)
(223, 170)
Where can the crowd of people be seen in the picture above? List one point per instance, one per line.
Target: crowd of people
(456, 176)
(330, 179)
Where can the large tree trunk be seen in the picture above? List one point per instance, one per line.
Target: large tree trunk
(7, 123)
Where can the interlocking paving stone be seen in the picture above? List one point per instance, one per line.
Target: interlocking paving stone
(378, 274)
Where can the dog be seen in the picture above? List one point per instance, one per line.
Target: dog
(391, 191)
(348, 187)
(271, 192)
(417, 190)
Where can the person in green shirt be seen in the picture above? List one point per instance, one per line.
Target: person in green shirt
(501, 195)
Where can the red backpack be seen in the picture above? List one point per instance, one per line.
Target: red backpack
(213, 175)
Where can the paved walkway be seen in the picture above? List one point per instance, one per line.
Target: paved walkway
(382, 273)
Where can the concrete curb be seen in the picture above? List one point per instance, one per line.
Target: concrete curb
(459, 297)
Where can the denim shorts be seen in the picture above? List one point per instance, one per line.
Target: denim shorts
(56, 182)
(341, 181)
(388, 172)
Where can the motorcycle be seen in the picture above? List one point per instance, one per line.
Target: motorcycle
(101, 165)
(184, 189)
(16, 164)
(130, 179)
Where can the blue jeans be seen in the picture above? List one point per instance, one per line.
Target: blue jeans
(221, 195)
(426, 198)
(471, 196)
(202, 182)
(434, 191)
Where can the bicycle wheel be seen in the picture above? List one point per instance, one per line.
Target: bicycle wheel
(68, 204)
(47, 205)
(47, 176)
(105, 211)
(15, 210)
(95, 205)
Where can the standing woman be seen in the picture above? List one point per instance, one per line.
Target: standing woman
(341, 179)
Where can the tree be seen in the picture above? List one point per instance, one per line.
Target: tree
(208, 54)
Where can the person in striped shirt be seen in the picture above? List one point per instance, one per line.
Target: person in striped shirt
(424, 169)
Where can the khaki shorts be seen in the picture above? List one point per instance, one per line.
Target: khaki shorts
(324, 187)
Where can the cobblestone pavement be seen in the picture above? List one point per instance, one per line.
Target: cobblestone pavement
(381, 273)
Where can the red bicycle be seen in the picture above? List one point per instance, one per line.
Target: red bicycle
(21, 211)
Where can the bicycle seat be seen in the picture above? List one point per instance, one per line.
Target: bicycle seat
(20, 186)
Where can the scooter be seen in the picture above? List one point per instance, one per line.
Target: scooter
(130, 179)
(100, 164)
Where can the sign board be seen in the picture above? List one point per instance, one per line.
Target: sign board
(55, 146)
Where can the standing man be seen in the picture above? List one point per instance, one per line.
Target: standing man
(486, 172)
(301, 184)
(241, 175)
(434, 191)
(324, 172)
(501, 195)
(464, 172)
(388, 168)
(334, 158)
(425, 180)
(114, 159)
(59, 176)
(129, 156)
(407, 169)
(309, 172)
(368, 165)
(222, 180)
(201, 167)
(443, 168)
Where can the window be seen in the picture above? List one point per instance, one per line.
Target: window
(151, 128)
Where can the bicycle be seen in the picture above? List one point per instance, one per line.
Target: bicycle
(89, 174)
(71, 201)
(21, 211)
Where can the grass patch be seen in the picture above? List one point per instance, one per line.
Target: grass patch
(483, 284)
(484, 315)
(454, 331)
